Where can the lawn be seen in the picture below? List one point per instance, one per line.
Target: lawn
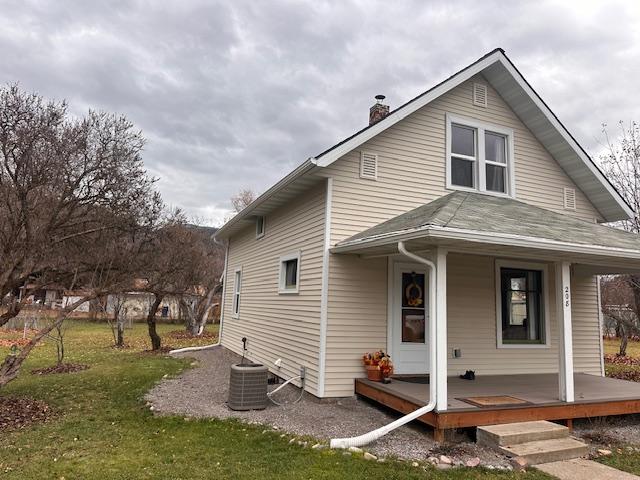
(622, 458)
(622, 370)
(103, 430)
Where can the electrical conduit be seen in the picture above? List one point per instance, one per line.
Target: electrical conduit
(367, 438)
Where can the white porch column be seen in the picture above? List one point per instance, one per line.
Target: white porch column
(565, 339)
(441, 329)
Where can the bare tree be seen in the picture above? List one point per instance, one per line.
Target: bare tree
(618, 305)
(207, 272)
(621, 165)
(117, 319)
(76, 205)
(242, 199)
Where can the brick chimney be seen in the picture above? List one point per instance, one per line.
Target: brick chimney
(378, 111)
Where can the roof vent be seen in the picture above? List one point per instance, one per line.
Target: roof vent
(378, 111)
(479, 95)
(569, 198)
(369, 166)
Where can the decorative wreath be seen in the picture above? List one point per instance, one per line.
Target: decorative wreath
(413, 293)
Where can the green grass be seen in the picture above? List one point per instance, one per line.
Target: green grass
(612, 346)
(622, 458)
(102, 429)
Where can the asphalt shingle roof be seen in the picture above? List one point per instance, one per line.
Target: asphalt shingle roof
(500, 215)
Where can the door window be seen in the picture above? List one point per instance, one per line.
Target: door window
(413, 307)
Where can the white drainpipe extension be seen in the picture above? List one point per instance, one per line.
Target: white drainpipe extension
(376, 434)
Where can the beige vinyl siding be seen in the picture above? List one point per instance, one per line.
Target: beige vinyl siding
(472, 323)
(411, 166)
(357, 318)
(359, 323)
(279, 325)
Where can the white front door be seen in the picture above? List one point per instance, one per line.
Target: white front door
(410, 300)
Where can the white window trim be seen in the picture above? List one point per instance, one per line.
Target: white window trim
(479, 159)
(545, 301)
(264, 226)
(237, 293)
(282, 277)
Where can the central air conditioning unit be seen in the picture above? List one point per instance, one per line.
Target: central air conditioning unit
(248, 387)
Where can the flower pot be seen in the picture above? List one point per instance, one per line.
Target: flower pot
(374, 373)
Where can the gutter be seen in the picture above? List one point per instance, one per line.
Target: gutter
(433, 368)
(513, 240)
(302, 169)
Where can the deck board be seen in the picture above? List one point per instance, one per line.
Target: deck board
(594, 396)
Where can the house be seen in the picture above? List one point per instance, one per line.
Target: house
(470, 206)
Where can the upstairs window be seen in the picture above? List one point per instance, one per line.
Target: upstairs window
(289, 273)
(260, 224)
(479, 157)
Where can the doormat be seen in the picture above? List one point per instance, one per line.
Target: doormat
(422, 379)
(494, 401)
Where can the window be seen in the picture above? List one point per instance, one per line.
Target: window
(289, 273)
(479, 157)
(260, 226)
(521, 305)
(237, 286)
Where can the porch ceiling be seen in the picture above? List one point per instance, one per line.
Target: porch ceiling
(488, 225)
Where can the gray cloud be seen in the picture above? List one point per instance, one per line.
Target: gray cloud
(234, 94)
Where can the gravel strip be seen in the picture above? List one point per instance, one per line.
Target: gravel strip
(609, 431)
(202, 392)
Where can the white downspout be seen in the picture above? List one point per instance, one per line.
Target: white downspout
(224, 291)
(376, 434)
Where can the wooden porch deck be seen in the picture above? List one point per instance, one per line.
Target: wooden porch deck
(594, 397)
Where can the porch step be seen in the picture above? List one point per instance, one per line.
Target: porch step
(545, 451)
(514, 433)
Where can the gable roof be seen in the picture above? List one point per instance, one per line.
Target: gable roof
(534, 113)
(498, 217)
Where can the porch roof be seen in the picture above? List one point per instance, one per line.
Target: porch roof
(474, 217)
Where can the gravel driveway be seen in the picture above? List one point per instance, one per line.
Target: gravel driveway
(202, 392)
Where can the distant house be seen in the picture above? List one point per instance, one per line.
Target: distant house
(474, 184)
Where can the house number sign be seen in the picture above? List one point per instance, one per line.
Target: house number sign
(567, 297)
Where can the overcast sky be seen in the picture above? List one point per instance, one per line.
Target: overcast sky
(235, 94)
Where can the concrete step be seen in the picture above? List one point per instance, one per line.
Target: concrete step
(545, 451)
(581, 469)
(514, 433)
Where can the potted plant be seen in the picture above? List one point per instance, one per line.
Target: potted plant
(378, 365)
(386, 366)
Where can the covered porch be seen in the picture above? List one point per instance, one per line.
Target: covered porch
(508, 236)
(595, 396)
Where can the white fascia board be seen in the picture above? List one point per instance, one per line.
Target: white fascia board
(563, 132)
(284, 182)
(333, 155)
(512, 240)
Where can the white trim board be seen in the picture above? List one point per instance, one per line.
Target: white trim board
(491, 59)
(324, 295)
(512, 240)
